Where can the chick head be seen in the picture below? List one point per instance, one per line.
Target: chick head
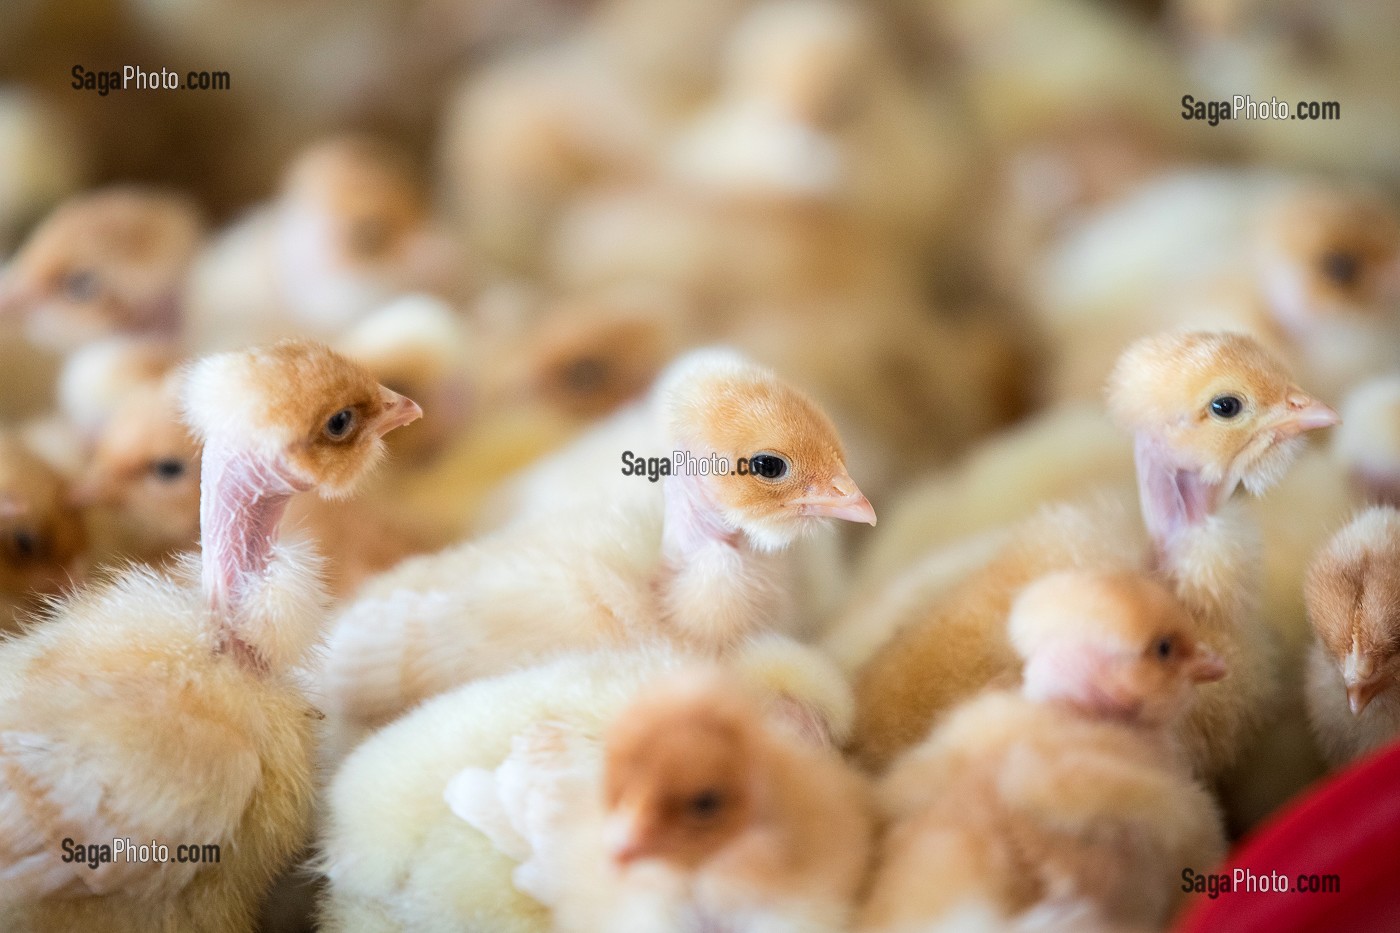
(310, 415)
(41, 534)
(787, 467)
(1368, 439)
(1117, 645)
(359, 199)
(1218, 404)
(590, 355)
(679, 779)
(113, 261)
(145, 465)
(1352, 593)
(1330, 255)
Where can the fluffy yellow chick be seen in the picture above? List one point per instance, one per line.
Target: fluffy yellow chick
(1070, 790)
(349, 229)
(1353, 670)
(696, 557)
(477, 784)
(710, 815)
(109, 261)
(1209, 413)
(816, 104)
(42, 537)
(174, 694)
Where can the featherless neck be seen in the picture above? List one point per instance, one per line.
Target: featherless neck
(241, 501)
(1175, 499)
(692, 521)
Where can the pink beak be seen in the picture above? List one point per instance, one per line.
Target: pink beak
(399, 410)
(842, 499)
(1207, 666)
(1360, 695)
(1306, 413)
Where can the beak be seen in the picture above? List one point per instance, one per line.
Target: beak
(842, 499)
(627, 840)
(398, 411)
(90, 491)
(1360, 693)
(1306, 413)
(1206, 667)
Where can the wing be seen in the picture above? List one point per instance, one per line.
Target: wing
(57, 795)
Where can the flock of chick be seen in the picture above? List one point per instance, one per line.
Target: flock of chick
(1116, 613)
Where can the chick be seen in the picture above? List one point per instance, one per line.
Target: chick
(695, 557)
(1368, 442)
(42, 537)
(1311, 270)
(143, 475)
(97, 376)
(1353, 670)
(349, 230)
(143, 472)
(815, 104)
(447, 853)
(712, 817)
(109, 261)
(174, 693)
(1209, 413)
(1069, 791)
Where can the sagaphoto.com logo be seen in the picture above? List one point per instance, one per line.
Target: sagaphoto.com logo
(136, 78)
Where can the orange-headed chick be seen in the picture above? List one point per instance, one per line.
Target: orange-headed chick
(42, 537)
(165, 707)
(713, 817)
(349, 230)
(1353, 672)
(701, 558)
(1070, 790)
(144, 468)
(1209, 413)
(109, 261)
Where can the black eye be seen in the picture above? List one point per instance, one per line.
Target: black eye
(705, 804)
(339, 424)
(80, 285)
(768, 466)
(1226, 406)
(1164, 648)
(169, 468)
(1341, 266)
(26, 544)
(585, 375)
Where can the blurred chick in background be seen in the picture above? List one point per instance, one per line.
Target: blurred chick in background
(1070, 790)
(350, 228)
(43, 540)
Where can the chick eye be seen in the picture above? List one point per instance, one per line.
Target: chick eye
(168, 469)
(369, 236)
(26, 544)
(585, 375)
(770, 467)
(1226, 406)
(1341, 267)
(80, 285)
(1164, 648)
(338, 425)
(705, 805)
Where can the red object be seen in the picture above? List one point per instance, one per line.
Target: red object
(1349, 828)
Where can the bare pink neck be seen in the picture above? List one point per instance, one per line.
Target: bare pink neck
(692, 521)
(241, 501)
(1174, 498)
